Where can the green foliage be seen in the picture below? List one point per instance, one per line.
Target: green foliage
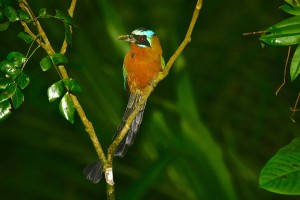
(26, 37)
(55, 91)
(295, 64)
(65, 18)
(5, 108)
(18, 98)
(24, 16)
(22, 80)
(50, 61)
(11, 14)
(12, 81)
(12, 77)
(8, 69)
(72, 86)
(282, 172)
(17, 58)
(46, 63)
(43, 12)
(4, 26)
(232, 98)
(290, 9)
(67, 108)
(286, 33)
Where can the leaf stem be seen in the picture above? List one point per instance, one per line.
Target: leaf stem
(43, 41)
(46, 45)
(149, 89)
(70, 11)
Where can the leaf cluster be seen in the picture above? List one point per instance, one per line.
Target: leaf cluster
(287, 33)
(281, 173)
(13, 79)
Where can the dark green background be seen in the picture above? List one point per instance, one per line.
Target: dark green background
(208, 128)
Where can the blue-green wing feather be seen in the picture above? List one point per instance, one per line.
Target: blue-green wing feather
(163, 64)
(124, 77)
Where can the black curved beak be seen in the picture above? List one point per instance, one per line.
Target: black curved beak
(127, 38)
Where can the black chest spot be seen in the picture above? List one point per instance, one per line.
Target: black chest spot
(132, 54)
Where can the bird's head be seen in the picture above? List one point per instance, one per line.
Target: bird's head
(141, 37)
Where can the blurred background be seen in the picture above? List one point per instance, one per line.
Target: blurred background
(208, 128)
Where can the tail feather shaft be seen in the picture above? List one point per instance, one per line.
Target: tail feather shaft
(128, 140)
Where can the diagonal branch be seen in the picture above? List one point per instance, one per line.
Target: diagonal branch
(149, 89)
(46, 45)
(70, 11)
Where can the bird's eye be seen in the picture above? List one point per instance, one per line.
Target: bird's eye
(142, 39)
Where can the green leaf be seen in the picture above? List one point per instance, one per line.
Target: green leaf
(17, 58)
(65, 18)
(295, 64)
(5, 108)
(284, 33)
(11, 14)
(18, 98)
(291, 10)
(59, 59)
(22, 80)
(7, 93)
(4, 26)
(42, 12)
(68, 34)
(4, 82)
(25, 36)
(67, 108)
(24, 16)
(9, 69)
(280, 40)
(281, 174)
(46, 63)
(55, 91)
(285, 23)
(291, 2)
(72, 85)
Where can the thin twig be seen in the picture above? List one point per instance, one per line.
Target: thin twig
(89, 128)
(150, 88)
(254, 33)
(294, 109)
(284, 73)
(70, 11)
(45, 44)
(28, 56)
(38, 26)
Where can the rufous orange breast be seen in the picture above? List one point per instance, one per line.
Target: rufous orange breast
(142, 65)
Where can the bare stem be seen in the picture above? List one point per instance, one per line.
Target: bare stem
(284, 72)
(71, 12)
(43, 41)
(149, 89)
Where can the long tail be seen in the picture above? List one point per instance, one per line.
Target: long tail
(93, 171)
(128, 140)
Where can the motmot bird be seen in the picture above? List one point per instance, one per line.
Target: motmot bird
(141, 65)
